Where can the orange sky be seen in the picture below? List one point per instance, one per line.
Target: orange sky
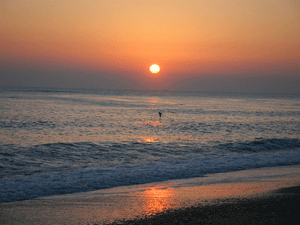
(113, 42)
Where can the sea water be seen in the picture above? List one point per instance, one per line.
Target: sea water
(60, 141)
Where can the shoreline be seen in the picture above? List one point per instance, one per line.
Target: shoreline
(156, 200)
(280, 208)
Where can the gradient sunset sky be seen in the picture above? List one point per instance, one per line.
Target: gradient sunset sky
(200, 45)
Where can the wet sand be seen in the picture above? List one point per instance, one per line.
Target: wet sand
(257, 196)
(279, 208)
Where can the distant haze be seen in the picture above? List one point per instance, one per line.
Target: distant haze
(215, 45)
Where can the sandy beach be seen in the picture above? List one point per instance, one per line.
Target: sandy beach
(258, 196)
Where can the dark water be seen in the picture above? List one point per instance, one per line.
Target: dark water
(55, 141)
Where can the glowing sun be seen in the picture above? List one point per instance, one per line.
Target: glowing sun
(154, 68)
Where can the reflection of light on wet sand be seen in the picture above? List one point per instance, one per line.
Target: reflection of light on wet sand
(153, 123)
(208, 194)
(147, 139)
(157, 200)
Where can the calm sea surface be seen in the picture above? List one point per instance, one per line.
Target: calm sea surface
(56, 141)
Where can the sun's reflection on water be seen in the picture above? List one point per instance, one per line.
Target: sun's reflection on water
(153, 123)
(152, 102)
(148, 139)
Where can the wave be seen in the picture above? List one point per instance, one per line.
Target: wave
(23, 125)
(261, 145)
(80, 179)
(62, 157)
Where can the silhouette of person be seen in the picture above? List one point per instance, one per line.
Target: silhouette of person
(159, 113)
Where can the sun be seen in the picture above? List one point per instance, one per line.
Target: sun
(154, 68)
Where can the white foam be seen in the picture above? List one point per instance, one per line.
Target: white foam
(28, 187)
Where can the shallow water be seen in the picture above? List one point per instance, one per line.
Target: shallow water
(55, 141)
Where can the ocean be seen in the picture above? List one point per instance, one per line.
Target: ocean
(62, 141)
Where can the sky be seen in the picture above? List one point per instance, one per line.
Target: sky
(200, 45)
